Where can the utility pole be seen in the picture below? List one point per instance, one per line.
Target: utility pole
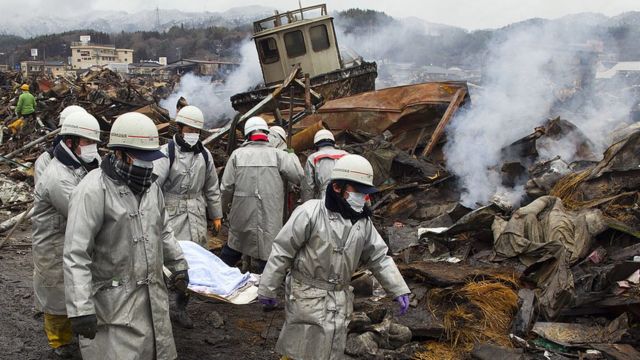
(157, 18)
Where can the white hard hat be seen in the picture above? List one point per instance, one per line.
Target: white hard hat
(68, 111)
(323, 134)
(82, 124)
(135, 131)
(356, 169)
(191, 116)
(255, 123)
(280, 131)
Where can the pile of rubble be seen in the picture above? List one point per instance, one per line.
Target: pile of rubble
(104, 93)
(557, 277)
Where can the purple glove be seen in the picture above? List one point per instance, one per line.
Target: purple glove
(403, 301)
(267, 301)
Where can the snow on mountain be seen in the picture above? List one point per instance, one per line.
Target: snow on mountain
(117, 21)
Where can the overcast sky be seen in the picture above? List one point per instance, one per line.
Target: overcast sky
(470, 14)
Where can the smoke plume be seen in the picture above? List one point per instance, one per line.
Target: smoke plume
(213, 97)
(523, 81)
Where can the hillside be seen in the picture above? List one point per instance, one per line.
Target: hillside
(118, 21)
(375, 35)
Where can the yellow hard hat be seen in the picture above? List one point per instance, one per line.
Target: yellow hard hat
(24, 87)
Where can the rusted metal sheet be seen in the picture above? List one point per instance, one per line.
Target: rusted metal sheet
(403, 110)
(437, 134)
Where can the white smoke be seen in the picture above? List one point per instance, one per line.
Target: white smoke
(521, 83)
(213, 97)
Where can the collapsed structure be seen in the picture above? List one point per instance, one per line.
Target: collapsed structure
(560, 274)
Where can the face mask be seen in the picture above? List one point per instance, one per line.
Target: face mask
(191, 138)
(89, 153)
(142, 164)
(356, 201)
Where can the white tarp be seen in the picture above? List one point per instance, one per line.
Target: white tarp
(209, 275)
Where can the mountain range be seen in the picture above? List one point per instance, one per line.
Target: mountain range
(117, 21)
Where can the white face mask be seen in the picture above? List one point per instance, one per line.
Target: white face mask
(356, 201)
(88, 153)
(142, 164)
(191, 138)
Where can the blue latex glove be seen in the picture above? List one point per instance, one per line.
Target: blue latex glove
(403, 301)
(267, 302)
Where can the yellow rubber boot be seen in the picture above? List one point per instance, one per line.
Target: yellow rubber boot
(58, 330)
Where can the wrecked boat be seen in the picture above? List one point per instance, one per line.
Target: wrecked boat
(305, 37)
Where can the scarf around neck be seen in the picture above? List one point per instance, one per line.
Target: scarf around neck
(259, 137)
(138, 179)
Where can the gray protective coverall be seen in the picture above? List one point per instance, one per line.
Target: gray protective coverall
(253, 184)
(191, 193)
(40, 165)
(51, 204)
(317, 172)
(323, 251)
(115, 247)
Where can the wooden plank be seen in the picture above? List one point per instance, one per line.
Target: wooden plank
(307, 93)
(457, 99)
(618, 351)
(626, 253)
(20, 220)
(31, 144)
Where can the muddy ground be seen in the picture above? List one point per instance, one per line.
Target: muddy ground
(21, 327)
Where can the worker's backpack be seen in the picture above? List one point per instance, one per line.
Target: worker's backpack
(172, 154)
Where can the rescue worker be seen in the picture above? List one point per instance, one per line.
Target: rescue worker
(45, 158)
(317, 169)
(74, 157)
(189, 183)
(322, 244)
(278, 137)
(116, 244)
(26, 106)
(252, 185)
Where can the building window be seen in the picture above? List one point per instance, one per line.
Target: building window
(294, 42)
(268, 50)
(77, 50)
(78, 60)
(319, 37)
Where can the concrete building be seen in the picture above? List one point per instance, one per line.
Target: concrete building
(51, 68)
(85, 55)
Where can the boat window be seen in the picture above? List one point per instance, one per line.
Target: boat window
(268, 50)
(294, 42)
(319, 37)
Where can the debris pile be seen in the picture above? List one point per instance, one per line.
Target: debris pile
(555, 274)
(104, 93)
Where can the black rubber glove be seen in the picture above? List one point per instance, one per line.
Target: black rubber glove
(180, 280)
(85, 325)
